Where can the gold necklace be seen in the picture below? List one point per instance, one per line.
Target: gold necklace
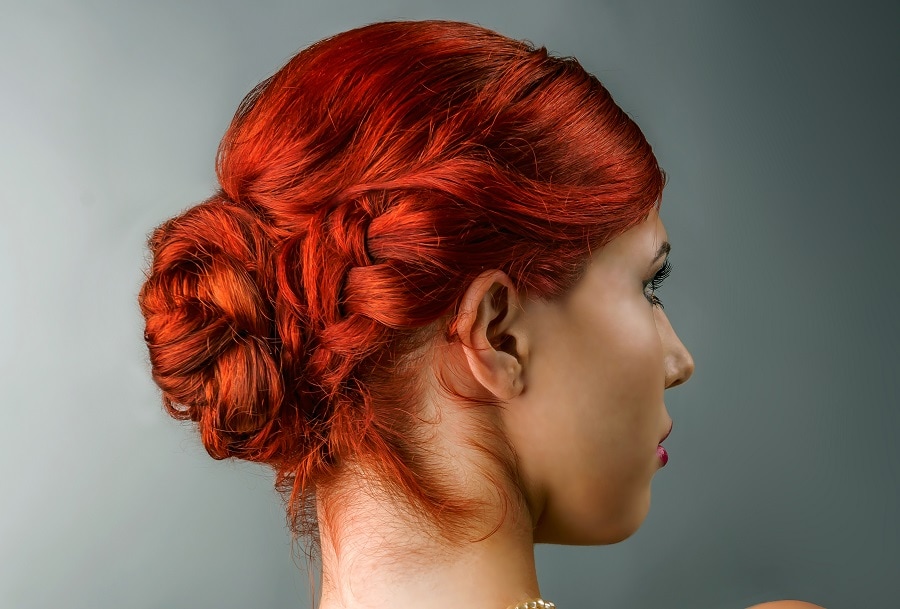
(538, 603)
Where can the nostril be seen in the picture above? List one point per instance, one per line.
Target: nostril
(674, 383)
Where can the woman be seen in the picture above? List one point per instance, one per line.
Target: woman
(425, 294)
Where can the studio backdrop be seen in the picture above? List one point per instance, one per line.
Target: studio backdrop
(776, 123)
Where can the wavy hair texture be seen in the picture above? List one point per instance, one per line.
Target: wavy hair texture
(362, 187)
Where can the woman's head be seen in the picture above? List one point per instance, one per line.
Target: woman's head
(376, 193)
(582, 377)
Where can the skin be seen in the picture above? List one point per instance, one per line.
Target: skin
(582, 382)
(592, 369)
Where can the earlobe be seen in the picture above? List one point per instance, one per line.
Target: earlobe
(490, 330)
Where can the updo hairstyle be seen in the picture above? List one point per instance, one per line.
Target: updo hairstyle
(362, 188)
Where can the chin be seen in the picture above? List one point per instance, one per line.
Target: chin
(591, 538)
(597, 532)
(600, 534)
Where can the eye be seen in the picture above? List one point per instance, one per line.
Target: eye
(656, 283)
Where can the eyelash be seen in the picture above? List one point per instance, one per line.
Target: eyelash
(656, 283)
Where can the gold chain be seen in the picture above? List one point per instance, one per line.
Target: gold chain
(535, 604)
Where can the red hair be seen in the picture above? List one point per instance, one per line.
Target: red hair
(363, 187)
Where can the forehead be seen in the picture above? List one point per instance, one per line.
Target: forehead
(620, 266)
(638, 243)
(624, 262)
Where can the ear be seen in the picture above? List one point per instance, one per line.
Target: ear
(489, 325)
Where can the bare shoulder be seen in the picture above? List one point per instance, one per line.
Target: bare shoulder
(786, 605)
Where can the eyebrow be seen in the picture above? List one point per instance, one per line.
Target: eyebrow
(664, 249)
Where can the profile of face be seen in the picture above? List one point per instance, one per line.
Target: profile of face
(583, 382)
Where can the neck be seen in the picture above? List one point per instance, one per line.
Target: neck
(373, 558)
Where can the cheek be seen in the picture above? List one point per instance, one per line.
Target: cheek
(627, 349)
(599, 478)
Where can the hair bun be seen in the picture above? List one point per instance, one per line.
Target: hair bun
(210, 328)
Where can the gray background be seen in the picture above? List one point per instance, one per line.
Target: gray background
(777, 124)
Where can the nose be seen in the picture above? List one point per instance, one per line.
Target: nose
(678, 360)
